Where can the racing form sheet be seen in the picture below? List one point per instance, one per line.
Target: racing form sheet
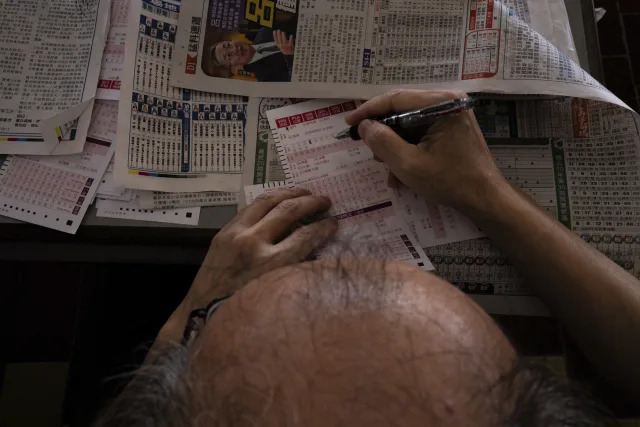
(56, 191)
(434, 224)
(345, 171)
(50, 54)
(368, 226)
(170, 139)
(305, 140)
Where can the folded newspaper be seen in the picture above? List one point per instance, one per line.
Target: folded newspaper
(50, 53)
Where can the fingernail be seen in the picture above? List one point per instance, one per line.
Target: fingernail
(347, 119)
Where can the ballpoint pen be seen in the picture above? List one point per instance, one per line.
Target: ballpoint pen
(412, 124)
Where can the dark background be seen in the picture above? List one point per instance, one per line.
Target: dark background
(96, 320)
(619, 34)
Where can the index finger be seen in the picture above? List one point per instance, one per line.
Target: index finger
(399, 101)
(265, 203)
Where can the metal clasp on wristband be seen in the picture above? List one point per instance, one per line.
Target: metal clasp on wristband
(198, 318)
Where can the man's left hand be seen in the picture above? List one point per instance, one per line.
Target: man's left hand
(277, 230)
(287, 45)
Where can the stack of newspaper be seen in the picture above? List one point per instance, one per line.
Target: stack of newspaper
(183, 96)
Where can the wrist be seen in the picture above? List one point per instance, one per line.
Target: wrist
(206, 286)
(489, 196)
(173, 328)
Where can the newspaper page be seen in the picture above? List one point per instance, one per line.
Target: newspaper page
(113, 55)
(49, 63)
(56, 191)
(358, 49)
(170, 139)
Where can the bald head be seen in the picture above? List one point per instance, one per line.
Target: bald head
(351, 342)
(348, 343)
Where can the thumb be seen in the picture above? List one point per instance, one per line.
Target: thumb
(386, 145)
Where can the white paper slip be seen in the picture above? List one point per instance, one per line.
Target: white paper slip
(435, 224)
(371, 231)
(133, 211)
(305, 139)
(51, 54)
(56, 192)
(108, 188)
(171, 139)
(160, 200)
(304, 135)
(113, 55)
(253, 191)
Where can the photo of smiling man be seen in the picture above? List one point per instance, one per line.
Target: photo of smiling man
(269, 58)
(251, 41)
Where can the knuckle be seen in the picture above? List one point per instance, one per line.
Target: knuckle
(288, 206)
(243, 240)
(458, 94)
(265, 198)
(395, 92)
(377, 133)
(411, 165)
(306, 234)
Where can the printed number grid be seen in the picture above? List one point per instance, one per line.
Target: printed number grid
(307, 157)
(604, 183)
(153, 59)
(328, 47)
(155, 143)
(533, 57)
(352, 190)
(529, 168)
(414, 44)
(33, 183)
(475, 266)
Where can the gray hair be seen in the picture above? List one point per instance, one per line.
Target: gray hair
(162, 393)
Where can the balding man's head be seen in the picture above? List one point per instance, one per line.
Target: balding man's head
(351, 342)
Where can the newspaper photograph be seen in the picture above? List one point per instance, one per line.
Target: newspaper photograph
(359, 49)
(50, 55)
(172, 139)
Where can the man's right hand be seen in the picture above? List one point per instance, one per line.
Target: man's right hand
(452, 164)
(287, 45)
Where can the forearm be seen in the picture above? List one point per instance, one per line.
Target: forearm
(206, 286)
(597, 301)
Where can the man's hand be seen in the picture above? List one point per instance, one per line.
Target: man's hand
(286, 45)
(266, 235)
(452, 163)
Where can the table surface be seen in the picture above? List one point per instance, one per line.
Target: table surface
(116, 240)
